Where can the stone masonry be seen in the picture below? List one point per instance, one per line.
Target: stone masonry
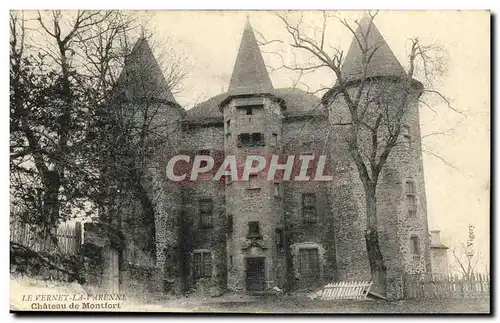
(213, 236)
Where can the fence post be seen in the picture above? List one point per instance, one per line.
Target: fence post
(78, 236)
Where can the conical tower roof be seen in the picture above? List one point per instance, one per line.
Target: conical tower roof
(142, 76)
(382, 61)
(249, 74)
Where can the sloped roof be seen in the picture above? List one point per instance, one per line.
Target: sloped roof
(382, 61)
(298, 103)
(439, 246)
(249, 73)
(142, 76)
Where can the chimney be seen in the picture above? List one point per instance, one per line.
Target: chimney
(435, 239)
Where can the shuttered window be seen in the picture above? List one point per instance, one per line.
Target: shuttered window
(309, 207)
(202, 264)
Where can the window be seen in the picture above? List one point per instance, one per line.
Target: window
(279, 238)
(277, 190)
(202, 264)
(415, 245)
(228, 127)
(275, 140)
(257, 139)
(253, 230)
(254, 139)
(204, 152)
(411, 198)
(309, 263)
(253, 181)
(311, 164)
(249, 107)
(406, 136)
(206, 210)
(229, 224)
(228, 179)
(309, 207)
(244, 139)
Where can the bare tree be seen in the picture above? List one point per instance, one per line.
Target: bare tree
(465, 260)
(466, 256)
(64, 71)
(376, 111)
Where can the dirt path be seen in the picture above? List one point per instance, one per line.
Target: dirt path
(241, 303)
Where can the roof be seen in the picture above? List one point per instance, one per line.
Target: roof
(142, 76)
(382, 61)
(439, 246)
(249, 73)
(298, 103)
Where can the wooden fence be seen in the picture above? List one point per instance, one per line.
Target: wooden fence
(346, 290)
(452, 286)
(69, 237)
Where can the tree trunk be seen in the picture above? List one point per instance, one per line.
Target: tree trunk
(377, 265)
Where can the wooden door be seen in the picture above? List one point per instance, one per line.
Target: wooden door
(112, 271)
(255, 274)
(309, 268)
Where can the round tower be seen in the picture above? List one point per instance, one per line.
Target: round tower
(254, 211)
(145, 96)
(401, 200)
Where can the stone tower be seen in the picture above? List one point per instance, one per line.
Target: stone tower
(401, 201)
(145, 94)
(252, 125)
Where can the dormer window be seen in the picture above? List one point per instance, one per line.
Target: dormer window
(247, 106)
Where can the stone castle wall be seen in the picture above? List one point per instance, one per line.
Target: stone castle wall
(395, 226)
(338, 232)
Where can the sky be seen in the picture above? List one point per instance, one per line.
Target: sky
(458, 181)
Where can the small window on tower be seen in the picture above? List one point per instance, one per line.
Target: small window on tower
(311, 166)
(244, 139)
(411, 199)
(279, 238)
(275, 140)
(277, 190)
(257, 139)
(249, 111)
(254, 230)
(206, 213)
(229, 224)
(309, 207)
(228, 127)
(415, 245)
(253, 181)
(406, 136)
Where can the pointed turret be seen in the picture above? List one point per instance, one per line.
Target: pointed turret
(142, 76)
(382, 61)
(249, 74)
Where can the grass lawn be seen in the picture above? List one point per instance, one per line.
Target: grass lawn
(291, 305)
